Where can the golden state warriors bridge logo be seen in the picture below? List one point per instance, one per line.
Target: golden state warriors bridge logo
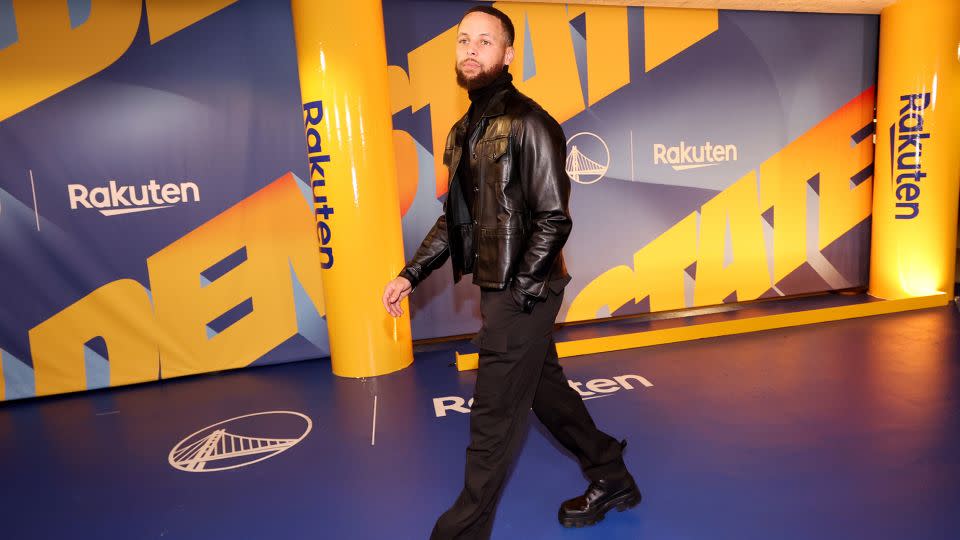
(588, 158)
(240, 441)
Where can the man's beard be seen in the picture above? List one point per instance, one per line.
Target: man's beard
(484, 78)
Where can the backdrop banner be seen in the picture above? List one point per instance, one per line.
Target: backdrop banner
(716, 156)
(153, 217)
(156, 218)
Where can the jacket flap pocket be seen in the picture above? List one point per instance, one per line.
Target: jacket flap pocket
(494, 148)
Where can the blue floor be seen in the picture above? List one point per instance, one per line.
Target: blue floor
(846, 430)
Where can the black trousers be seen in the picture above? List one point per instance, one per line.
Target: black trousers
(519, 370)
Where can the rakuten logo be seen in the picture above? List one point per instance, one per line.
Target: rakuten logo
(592, 389)
(114, 199)
(684, 156)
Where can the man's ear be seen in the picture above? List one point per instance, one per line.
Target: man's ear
(508, 56)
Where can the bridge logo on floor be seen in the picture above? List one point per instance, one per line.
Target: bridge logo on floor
(592, 389)
(240, 441)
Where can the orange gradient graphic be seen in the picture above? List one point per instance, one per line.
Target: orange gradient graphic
(50, 55)
(658, 269)
(166, 327)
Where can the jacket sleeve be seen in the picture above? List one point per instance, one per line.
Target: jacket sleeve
(541, 157)
(431, 254)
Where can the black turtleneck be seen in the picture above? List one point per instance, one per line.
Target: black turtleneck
(479, 100)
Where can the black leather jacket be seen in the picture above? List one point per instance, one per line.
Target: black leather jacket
(521, 203)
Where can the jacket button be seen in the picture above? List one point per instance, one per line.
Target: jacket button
(475, 188)
(474, 222)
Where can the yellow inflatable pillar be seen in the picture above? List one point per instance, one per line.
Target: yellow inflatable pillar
(917, 162)
(341, 53)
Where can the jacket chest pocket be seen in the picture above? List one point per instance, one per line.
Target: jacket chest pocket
(493, 158)
(492, 149)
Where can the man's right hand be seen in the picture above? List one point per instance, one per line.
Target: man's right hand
(394, 293)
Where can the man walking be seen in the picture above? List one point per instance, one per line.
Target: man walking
(505, 221)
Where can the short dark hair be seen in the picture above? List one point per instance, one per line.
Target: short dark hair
(501, 16)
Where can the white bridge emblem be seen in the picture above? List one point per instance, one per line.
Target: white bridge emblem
(582, 169)
(221, 446)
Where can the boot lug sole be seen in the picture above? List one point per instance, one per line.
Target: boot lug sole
(622, 503)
